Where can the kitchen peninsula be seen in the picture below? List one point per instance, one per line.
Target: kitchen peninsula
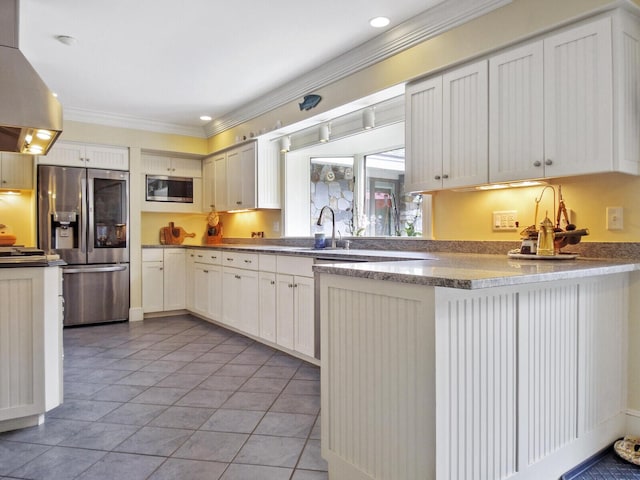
(30, 341)
(472, 366)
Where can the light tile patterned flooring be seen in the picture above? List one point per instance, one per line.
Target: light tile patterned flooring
(173, 398)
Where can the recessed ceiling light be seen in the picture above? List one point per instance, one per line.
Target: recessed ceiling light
(205, 118)
(379, 22)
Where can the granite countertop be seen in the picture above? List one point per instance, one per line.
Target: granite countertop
(473, 271)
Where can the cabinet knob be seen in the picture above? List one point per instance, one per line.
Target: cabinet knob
(237, 276)
(537, 163)
(239, 202)
(548, 161)
(437, 177)
(4, 181)
(272, 282)
(445, 176)
(295, 285)
(291, 285)
(160, 268)
(206, 271)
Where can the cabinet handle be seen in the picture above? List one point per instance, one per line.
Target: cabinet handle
(247, 261)
(291, 285)
(160, 268)
(295, 285)
(237, 276)
(191, 255)
(206, 271)
(4, 181)
(87, 159)
(229, 259)
(239, 202)
(445, 176)
(437, 177)
(200, 256)
(272, 282)
(213, 257)
(537, 163)
(548, 161)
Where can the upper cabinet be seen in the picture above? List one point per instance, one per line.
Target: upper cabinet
(562, 105)
(243, 177)
(71, 154)
(16, 171)
(171, 166)
(447, 130)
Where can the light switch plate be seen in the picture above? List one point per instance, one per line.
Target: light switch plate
(614, 218)
(505, 220)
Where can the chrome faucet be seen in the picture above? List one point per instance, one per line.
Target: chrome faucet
(333, 224)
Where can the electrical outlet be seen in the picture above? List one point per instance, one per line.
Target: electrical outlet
(614, 218)
(505, 220)
(276, 226)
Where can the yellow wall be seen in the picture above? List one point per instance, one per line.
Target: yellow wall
(16, 213)
(234, 225)
(468, 215)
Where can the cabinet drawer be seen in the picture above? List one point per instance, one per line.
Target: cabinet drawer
(291, 265)
(248, 261)
(267, 262)
(210, 257)
(152, 255)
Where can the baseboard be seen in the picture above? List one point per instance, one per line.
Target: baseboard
(633, 422)
(136, 314)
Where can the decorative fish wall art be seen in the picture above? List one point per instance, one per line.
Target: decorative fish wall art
(310, 101)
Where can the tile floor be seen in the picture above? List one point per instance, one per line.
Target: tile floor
(173, 398)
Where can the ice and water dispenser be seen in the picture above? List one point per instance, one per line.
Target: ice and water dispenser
(64, 226)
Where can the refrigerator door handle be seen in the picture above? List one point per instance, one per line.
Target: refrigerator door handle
(116, 268)
(83, 215)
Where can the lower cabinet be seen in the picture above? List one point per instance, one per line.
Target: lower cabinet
(164, 275)
(268, 316)
(295, 313)
(207, 290)
(240, 305)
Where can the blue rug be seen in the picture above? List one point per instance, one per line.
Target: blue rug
(604, 465)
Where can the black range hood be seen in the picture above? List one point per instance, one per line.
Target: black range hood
(30, 116)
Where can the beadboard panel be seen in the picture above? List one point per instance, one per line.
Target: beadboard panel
(466, 125)
(21, 382)
(515, 114)
(476, 384)
(628, 85)
(602, 330)
(548, 329)
(424, 135)
(378, 370)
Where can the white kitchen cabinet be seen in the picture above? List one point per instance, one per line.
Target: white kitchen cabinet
(447, 133)
(207, 283)
(578, 69)
(16, 171)
(295, 327)
(243, 177)
(268, 308)
(30, 345)
(91, 156)
(174, 277)
(516, 136)
(240, 290)
(155, 164)
(163, 279)
(189, 294)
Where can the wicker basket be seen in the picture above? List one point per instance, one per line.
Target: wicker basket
(628, 448)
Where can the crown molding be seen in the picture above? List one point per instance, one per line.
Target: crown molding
(423, 26)
(135, 123)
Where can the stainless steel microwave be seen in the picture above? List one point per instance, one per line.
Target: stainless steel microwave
(161, 188)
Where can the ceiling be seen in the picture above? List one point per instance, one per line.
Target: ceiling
(169, 62)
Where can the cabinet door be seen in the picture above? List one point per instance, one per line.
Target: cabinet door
(65, 154)
(201, 288)
(578, 100)
(234, 179)
(516, 143)
(174, 279)
(152, 287)
(16, 171)
(110, 158)
(231, 292)
(249, 303)
(220, 183)
(248, 175)
(208, 184)
(214, 292)
(304, 324)
(268, 309)
(186, 167)
(465, 126)
(423, 164)
(156, 164)
(189, 294)
(285, 311)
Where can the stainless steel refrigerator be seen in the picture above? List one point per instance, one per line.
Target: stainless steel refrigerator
(83, 216)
